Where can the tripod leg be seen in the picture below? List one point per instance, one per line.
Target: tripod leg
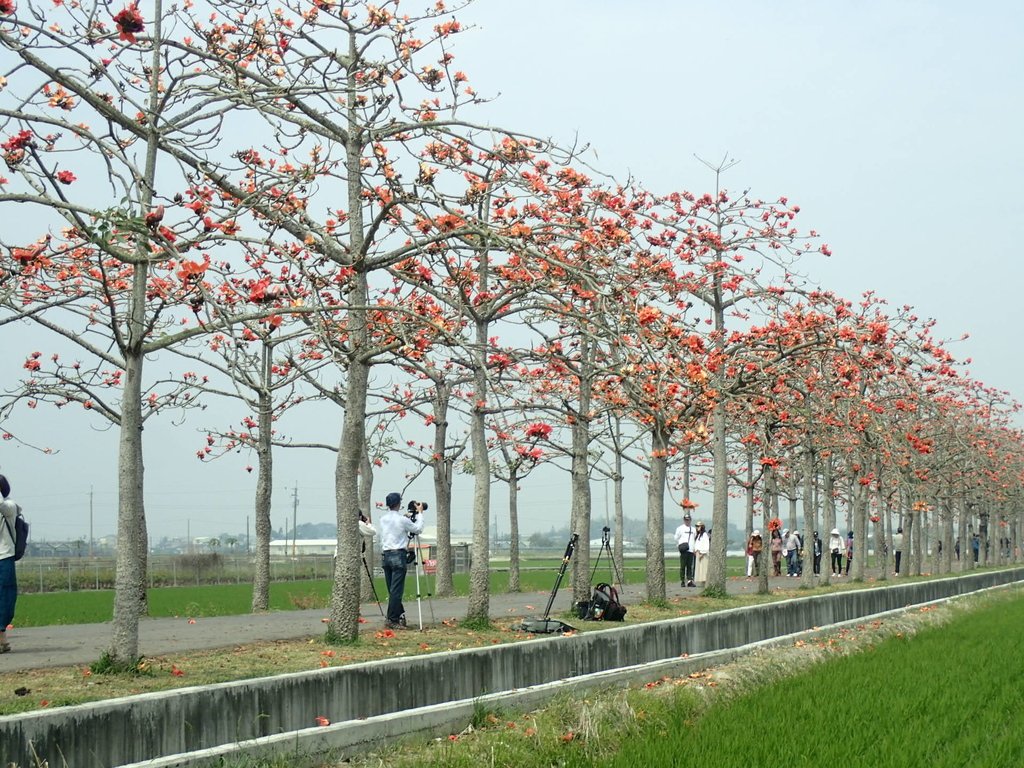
(597, 562)
(372, 586)
(430, 601)
(419, 606)
(615, 569)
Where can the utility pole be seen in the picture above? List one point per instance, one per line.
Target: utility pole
(90, 521)
(295, 520)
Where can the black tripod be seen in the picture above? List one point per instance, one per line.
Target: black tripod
(606, 547)
(370, 575)
(546, 625)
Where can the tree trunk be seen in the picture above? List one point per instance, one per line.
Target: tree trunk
(581, 508)
(859, 509)
(344, 615)
(442, 466)
(366, 547)
(478, 608)
(828, 512)
(619, 516)
(767, 564)
(130, 573)
(264, 492)
(132, 549)
(810, 513)
(581, 496)
(513, 528)
(720, 502)
(656, 516)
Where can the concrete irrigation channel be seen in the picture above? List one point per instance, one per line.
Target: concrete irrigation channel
(430, 694)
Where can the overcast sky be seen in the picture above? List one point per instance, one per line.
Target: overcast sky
(894, 125)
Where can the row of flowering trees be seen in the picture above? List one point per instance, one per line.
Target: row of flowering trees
(296, 205)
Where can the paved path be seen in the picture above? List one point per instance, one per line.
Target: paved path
(82, 644)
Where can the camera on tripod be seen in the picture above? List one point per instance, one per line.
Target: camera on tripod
(415, 507)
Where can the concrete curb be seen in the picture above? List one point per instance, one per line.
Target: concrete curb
(438, 720)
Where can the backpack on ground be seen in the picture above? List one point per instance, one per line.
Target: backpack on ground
(19, 535)
(604, 604)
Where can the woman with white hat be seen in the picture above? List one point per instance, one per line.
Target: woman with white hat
(835, 548)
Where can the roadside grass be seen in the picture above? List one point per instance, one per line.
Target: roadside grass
(936, 686)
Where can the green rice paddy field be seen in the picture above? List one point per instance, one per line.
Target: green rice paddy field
(948, 697)
(938, 690)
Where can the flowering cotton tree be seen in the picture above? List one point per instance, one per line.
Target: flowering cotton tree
(535, 229)
(657, 373)
(724, 251)
(121, 267)
(575, 271)
(519, 451)
(432, 396)
(367, 161)
(262, 364)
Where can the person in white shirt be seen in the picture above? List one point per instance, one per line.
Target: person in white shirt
(792, 553)
(395, 532)
(684, 542)
(835, 548)
(367, 531)
(8, 576)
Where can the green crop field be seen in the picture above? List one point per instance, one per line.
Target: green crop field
(92, 606)
(947, 697)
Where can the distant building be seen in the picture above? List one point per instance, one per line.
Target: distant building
(299, 547)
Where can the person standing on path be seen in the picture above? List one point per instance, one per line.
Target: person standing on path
(817, 554)
(793, 553)
(395, 532)
(702, 551)
(776, 545)
(897, 548)
(755, 545)
(684, 542)
(849, 551)
(8, 575)
(835, 548)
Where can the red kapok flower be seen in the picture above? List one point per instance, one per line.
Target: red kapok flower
(129, 21)
(774, 524)
(687, 504)
(19, 140)
(6, 7)
(538, 430)
(66, 177)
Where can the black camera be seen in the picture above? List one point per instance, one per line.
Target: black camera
(412, 511)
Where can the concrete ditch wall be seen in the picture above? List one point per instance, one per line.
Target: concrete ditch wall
(131, 730)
